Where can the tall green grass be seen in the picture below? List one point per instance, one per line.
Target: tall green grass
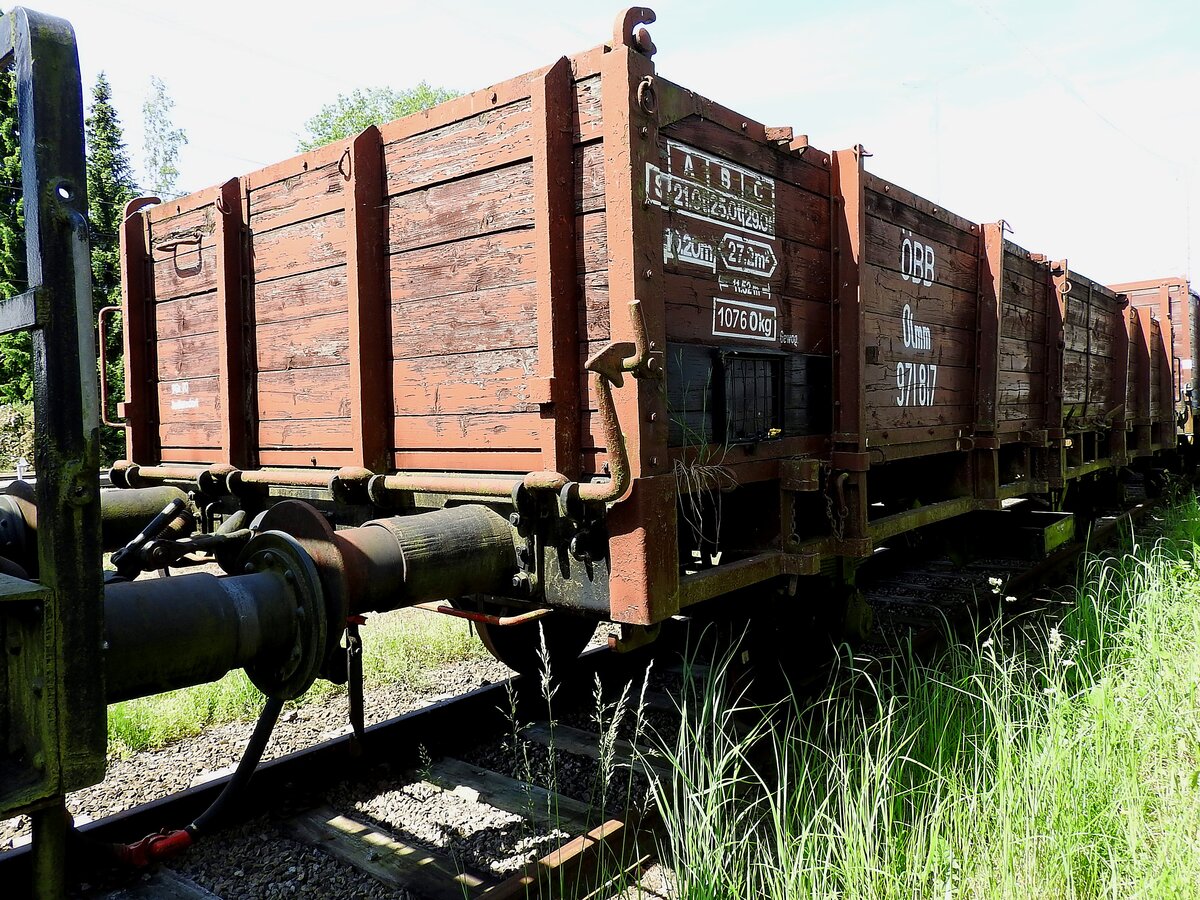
(1056, 757)
(400, 647)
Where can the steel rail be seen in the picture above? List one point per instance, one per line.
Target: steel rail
(440, 728)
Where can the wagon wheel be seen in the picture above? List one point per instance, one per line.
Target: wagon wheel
(519, 646)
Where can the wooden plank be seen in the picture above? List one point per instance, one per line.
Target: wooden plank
(186, 269)
(301, 247)
(593, 307)
(883, 201)
(401, 866)
(917, 203)
(304, 433)
(201, 435)
(305, 343)
(306, 457)
(493, 318)
(1024, 325)
(310, 393)
(194, 400)
(489, 139)
(487, 381)
(191, 356)
(791, 172)
(565, 871)
(952, 267)
(1021, 356)
(805, 320)
(886, 293)
(367, 301)
(171, 454)
(554, 253)
(949, 346)
(186, 316)
(589, 177)
(306, 194)
(309, 294)
(518, 797)
(236, 391)
(141, 363)
(453, 459)
(587, 121)
(464, 267)
(488, 430)
(591, 239)
(491, 201)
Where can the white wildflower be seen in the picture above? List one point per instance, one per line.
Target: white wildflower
(1010, 599)
(996, 583)
(1056, 641)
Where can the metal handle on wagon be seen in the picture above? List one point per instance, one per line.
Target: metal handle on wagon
(105, 311)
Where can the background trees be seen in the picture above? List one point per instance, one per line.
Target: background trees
(162, 141)
(110, 185)
(351, 113)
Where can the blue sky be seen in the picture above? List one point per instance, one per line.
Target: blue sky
(1077, 122)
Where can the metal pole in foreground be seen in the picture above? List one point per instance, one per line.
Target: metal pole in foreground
(53, 702)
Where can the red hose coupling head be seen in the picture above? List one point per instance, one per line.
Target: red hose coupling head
(154, 848)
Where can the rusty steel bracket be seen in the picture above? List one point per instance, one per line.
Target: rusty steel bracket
(100, 333)
(624, 34)
(608, 368)
(445, 609)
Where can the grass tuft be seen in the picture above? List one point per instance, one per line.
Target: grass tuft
(1057, 757)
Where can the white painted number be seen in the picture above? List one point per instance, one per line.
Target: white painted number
(916, 383)
(737, 318)
(916, 261)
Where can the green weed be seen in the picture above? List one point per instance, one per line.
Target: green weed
(1055, 757)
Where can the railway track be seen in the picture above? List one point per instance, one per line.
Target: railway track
(332, 826)
(466, 797)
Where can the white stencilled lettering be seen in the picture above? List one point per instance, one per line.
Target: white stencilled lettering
(916, 260)
(739, 319)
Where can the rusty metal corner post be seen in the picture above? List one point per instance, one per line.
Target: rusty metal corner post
(1118, 436)
(137, 278)
(54, 690)
(1055, 456)
(1139, 388)
(986, 453)
(553, 101)
(371, 412)
(643, 535)
(236, 389)
(850, 452)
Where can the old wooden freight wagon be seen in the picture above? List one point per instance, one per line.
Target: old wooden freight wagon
(687, 351)
(1172, 300)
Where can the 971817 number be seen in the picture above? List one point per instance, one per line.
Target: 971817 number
(915, 383)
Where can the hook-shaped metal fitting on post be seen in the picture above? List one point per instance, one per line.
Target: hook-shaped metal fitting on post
(646, 97)
(137, 204)
(625, 35)
(105, 311)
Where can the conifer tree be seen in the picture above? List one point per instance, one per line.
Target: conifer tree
(111, 185)
(16, 350)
